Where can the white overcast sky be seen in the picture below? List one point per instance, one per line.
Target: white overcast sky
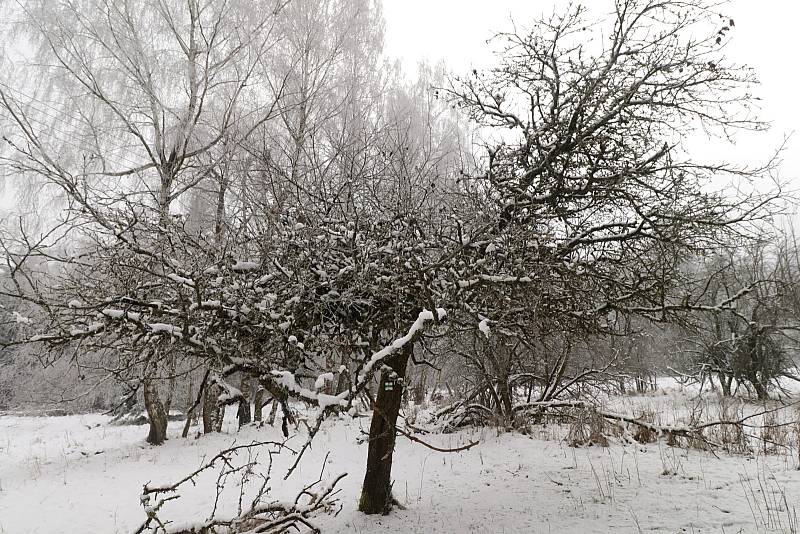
(767, 37)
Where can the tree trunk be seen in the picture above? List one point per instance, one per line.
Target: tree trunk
(419, 388)
(187, 409)
(376, 494)
(155, 414)
(211, 411)
(761, 390)
(244, 414)
(725, 384)
(172, 365)
(711, 382)
(641, 385)
(342, 383)
(258, 404)
(273, 412)
(506, 404)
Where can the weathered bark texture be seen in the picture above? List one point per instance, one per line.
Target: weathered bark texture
(243, 413)
(258, 404)
(376, 494)
(273, 412)
(155, 413)
(212, 414)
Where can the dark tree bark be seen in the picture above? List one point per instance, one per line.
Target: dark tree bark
(243, 413)
(273, 412)
(212, 414)
(761, 390)
(172, 365)
(155, 414)
(342, 383)
(504, 393)
(190, 413)
(376, 494)
(725, 383)
(419, 387)
(258, 404)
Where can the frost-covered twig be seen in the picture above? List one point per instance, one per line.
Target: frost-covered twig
(261, 516)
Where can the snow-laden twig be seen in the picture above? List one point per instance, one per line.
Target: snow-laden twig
(425, 316)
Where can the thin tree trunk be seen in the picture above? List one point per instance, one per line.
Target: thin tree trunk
(189, 398)
(156, 410)
(419, 388)
(273, 412)
(243, 414)
(342, 383)
(258, 404)
(725, 384)
(504, 394)
(376, 493)
(172, 366)
(192, 412)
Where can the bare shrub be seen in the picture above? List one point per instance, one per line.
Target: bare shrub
(774, 436)
(645, 434)
(732, 436)
(587, 428)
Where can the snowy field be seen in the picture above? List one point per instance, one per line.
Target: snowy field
(76, 474)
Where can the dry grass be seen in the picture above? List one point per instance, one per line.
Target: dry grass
(587, 428)
(772, 509)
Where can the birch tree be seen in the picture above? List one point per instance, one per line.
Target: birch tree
(352, 226)
(136, 101)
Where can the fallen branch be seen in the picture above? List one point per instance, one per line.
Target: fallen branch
(260, 516)
(689, 432)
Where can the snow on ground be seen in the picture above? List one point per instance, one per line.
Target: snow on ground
(78, 474)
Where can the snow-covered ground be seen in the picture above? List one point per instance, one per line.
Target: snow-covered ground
(78, 474)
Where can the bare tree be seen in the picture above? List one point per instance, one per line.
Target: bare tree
(591, 201)
(750, 344)
(351, 227)
(110, 128)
